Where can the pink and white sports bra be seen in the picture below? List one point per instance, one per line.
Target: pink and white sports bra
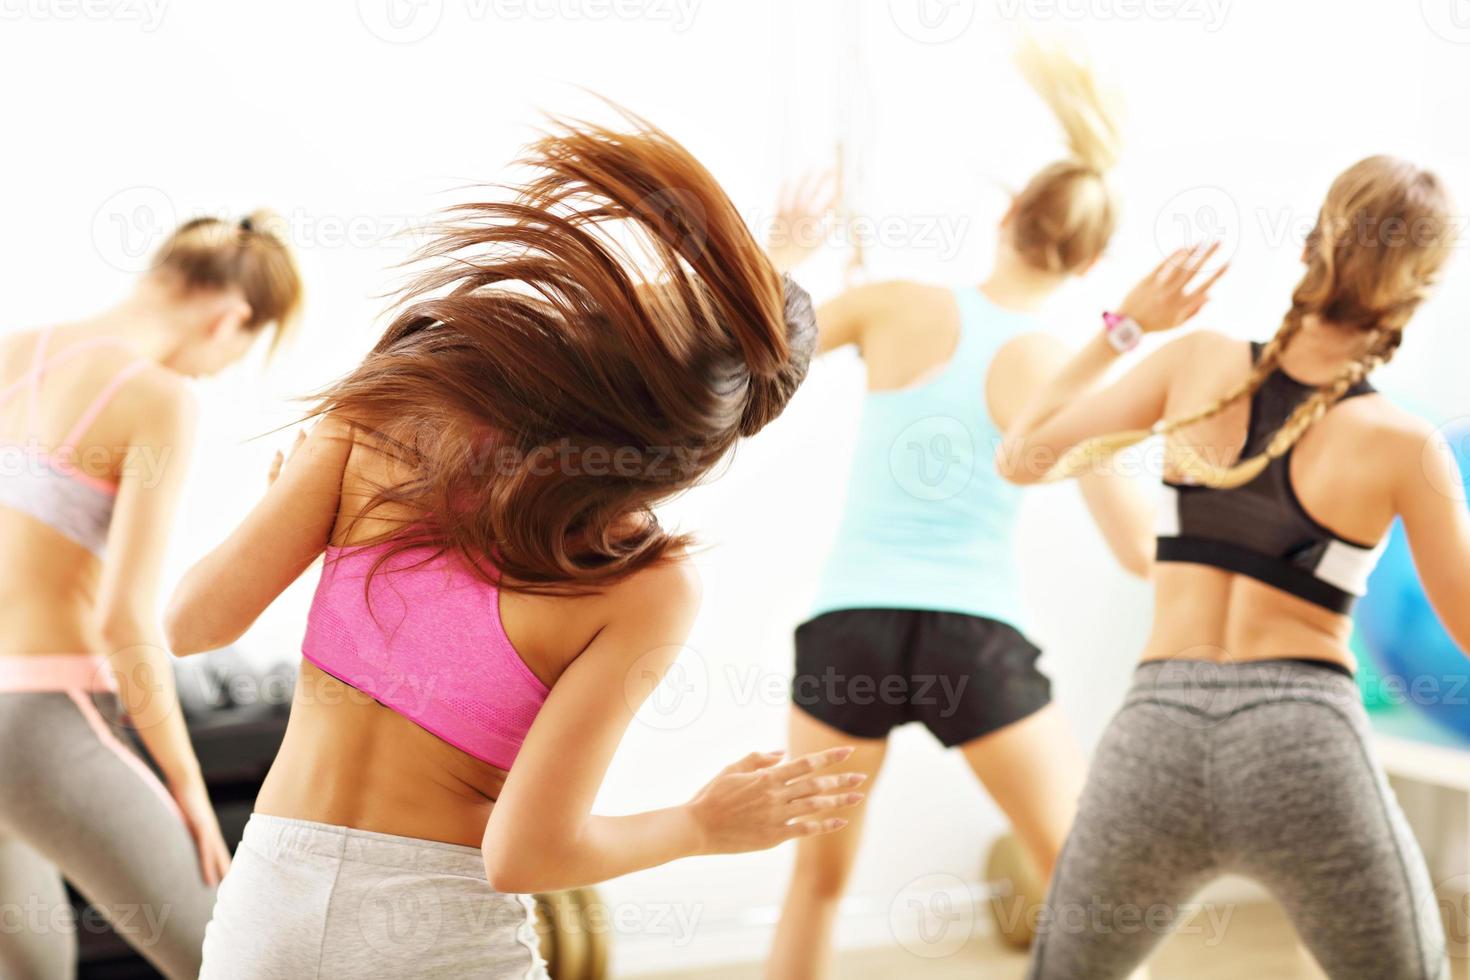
(47, 485)
(425, 640)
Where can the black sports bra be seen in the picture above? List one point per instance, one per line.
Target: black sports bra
(1261, 529)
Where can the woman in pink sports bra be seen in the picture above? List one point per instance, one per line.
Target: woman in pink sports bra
(95, 424)
(498, 597)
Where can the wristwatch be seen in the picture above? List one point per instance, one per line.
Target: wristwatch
(1124, 333)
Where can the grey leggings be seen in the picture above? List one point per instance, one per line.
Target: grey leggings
(75, 801)
(1264, 770)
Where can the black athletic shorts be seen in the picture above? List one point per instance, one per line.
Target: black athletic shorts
(866, 671)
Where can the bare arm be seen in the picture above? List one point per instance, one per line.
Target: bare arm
(1068, 411)
(1430, 499)
(228, 589)
(542, 836)
(127, 606)
(1121, 511)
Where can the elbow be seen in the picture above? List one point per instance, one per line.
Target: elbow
(187, 631)
(1139, 564)
(1010, 464)
(512, 876)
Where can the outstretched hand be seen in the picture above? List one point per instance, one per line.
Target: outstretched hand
(1174, 291)
(799, 227)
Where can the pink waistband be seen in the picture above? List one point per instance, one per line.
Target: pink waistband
(35, 673)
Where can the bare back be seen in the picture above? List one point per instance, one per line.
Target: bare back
(49, 582)
(1341, 482)
(349, 761)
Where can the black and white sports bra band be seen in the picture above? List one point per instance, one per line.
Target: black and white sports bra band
(1261, 530)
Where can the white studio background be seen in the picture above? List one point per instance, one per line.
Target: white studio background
(356, 121)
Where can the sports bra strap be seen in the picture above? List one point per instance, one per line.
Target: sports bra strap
(82, 424)
(38, 366)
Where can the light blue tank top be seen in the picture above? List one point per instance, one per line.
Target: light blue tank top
(928, 524)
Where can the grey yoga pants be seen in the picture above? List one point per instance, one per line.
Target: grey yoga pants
(1261, 769)
(76, 801)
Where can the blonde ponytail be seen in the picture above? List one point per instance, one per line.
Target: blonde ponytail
(252, 254)
(1362, 274)
(1064, 217)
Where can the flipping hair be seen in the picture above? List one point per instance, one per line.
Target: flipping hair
(1063, 218)
(1380, 240)
(572, 357)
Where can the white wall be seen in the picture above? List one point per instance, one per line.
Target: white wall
(120, 123)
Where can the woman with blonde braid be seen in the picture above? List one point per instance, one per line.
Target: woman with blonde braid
(918, 616)
(1242, 746)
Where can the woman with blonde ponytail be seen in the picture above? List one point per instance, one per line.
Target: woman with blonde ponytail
(919, 616)
(1242, 746)
(96, 421)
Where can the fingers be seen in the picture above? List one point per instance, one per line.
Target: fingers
(807, 764)
(835, 801)
(811, 828)
(816, 785)
(1204, 287)
(754, 761)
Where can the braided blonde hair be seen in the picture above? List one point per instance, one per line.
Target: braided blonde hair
(1063, 218)
(1381, 237)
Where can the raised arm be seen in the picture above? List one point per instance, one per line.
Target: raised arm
(542, 835)
(1429, 496)
(228, 589)
(1068, 410)
(1121, 511)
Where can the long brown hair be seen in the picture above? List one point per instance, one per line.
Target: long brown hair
(1064, 217)
(1381, 238)
(573, 356)
(251, 254)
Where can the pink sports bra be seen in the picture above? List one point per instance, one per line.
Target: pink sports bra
(425, 641)
(48, 486)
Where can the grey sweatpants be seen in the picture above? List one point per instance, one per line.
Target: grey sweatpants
(1262, 769)
(76, 801)
(311, 901)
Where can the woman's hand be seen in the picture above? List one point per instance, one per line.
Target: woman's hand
(757, 803)
(800, 225)
(1164, 299)
(282, 458)
(199, 816)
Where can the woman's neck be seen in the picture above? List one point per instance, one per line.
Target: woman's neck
(154, 323)
(1015, 285)
(1320, 350)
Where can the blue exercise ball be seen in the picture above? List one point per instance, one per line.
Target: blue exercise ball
(1417, 660)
